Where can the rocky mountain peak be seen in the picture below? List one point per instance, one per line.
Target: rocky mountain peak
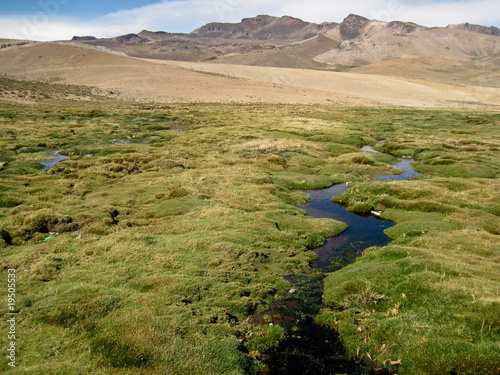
(403, 28)
(262, 27)
(492, 30)
(261, 20)
(352, 26)
(355, 18)
(84, 38)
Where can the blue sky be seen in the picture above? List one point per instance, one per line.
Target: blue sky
(62, 19)
(72, 8)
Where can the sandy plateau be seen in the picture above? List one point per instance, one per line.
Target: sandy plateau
(173, 81)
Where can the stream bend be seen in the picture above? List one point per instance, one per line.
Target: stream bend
(309, 347)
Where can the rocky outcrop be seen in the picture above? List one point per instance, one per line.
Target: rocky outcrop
(403, 28)
(352, 26)
(131, 38)
(492, 30)
(79, 38)
(264, 27)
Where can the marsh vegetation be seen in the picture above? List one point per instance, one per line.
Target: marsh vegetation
(166, 248)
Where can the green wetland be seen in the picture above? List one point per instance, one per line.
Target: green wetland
(164, 239)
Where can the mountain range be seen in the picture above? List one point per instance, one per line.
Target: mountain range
(357, 41)
(458, 53)
(288, 58)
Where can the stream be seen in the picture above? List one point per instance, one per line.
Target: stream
(52, 160)
(55, 157)
(310, 348)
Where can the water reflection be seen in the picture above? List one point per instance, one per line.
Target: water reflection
(363, 230)
(54, 158)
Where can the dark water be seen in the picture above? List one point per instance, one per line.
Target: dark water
(310, 348)
(403, 165)
(363, 230)
(54, 159)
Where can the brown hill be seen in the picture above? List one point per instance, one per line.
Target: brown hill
(492, 30)
(263, 39)
(293, 55)
(448, 55)
(460, 54)
(374, 41)
(264, 27)
(161, 81)
(429, 66)
(437, 69)
(357, 27)
(79, 38)
(187, 47)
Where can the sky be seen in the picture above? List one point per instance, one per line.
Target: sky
(62, 19)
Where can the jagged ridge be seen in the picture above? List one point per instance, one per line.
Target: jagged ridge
(291, 42)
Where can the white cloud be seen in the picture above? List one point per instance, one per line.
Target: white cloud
(483, 12)
(427, 13)
(186, 15)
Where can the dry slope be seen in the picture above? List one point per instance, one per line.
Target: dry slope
(162, 81)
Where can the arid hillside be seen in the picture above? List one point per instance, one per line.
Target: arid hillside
(436, 69)
(369, 41)
(163, 81)
(463, 54)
